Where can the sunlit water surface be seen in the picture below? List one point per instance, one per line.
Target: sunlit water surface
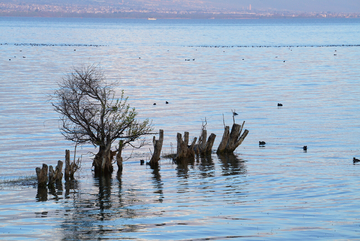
(274, 192)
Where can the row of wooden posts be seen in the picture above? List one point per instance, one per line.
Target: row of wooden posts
(48, 176)
(185, 151)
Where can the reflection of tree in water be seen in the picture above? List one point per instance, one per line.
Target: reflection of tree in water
(231, 165)
(103, 209)
(104, 196)
(90, 215)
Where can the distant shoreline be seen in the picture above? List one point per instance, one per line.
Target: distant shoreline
(136, 15)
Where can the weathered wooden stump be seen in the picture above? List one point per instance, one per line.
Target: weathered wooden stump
(55, 176)
(154, 161)
(58, 171)
(185, 151)
(51, 177)
(231, 140)
(119, 160)
(42, 175)
(70, 167)
(204, 146)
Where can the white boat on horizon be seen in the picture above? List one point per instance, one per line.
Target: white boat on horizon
(151, 18)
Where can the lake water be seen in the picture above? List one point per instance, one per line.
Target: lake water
(275, 192)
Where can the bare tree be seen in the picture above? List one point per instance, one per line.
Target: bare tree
(90, 113)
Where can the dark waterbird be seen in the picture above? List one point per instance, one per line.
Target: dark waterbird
(355, 160)
(305, 148)
(262, 143)
(279, 104)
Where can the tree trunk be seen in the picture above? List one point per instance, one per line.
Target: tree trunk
(204, 147)
(231, 141)
(103, 161)
(42, 175)
(185, 151)
(154, 161)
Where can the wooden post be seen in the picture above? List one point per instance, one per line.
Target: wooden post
(55, 176)
(58, 172)
(154, 161)
(231, 140)
(67, 164)
(119, 160)
(42, 175)
(70, 168)
(224, 140)
(204, 146)
(185, 151)
(51, 177)
(210, 143)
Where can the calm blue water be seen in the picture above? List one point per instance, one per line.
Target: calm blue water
(274, 192)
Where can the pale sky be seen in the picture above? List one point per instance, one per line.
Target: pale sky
(296, 5)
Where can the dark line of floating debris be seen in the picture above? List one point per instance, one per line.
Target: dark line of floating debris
(56, 45)
(275, 46)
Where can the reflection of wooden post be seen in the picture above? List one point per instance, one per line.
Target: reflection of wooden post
(231, 140)
(154, 161)
(42, 193)
(203, 146)
(42, 175)
(185, 151)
